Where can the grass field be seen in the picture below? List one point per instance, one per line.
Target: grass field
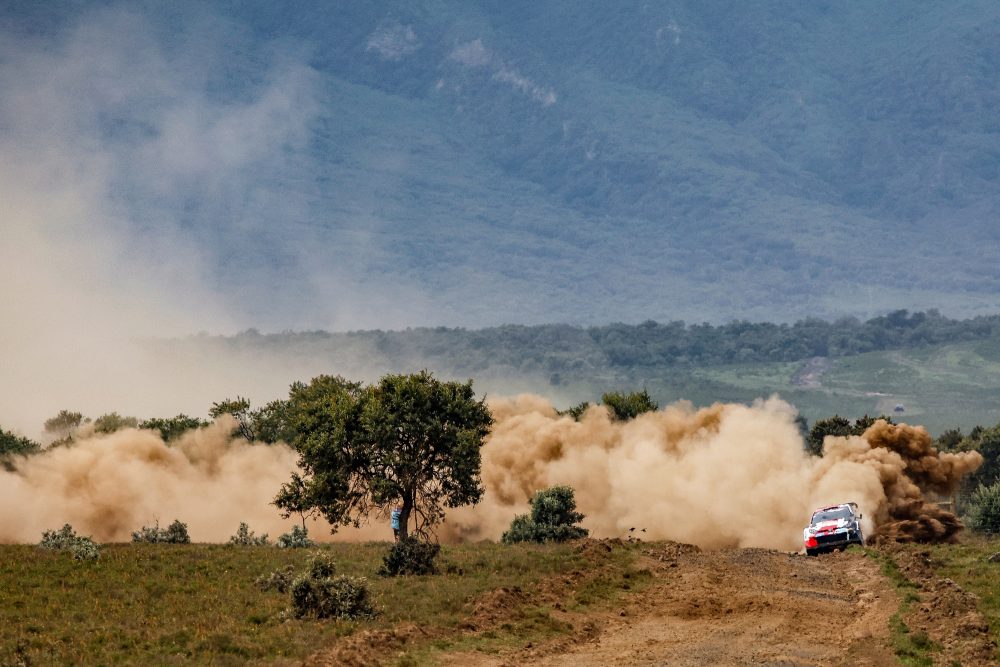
(168, 604)
(940, 387)
(966, 564)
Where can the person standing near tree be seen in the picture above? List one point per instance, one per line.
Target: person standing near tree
(397, 511)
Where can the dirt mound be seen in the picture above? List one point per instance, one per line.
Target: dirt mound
(494, 607)
(946, 613)
(597, 550)
(367, 648)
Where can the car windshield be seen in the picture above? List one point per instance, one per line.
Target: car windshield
(832, 515)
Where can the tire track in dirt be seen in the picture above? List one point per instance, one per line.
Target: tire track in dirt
(732, 607)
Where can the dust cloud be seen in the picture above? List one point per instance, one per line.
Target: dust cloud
(107, 486)
(728, 475)
(724, 476)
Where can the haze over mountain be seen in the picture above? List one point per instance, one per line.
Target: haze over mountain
(391, 164)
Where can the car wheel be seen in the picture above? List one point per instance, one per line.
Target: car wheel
(811, 552)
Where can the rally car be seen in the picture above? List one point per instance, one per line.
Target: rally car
(834, 527)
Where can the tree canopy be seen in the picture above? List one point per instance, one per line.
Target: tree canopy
(15, 445)
(838, 426)
(410, 440)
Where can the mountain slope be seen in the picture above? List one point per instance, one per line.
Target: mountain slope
(469, 163)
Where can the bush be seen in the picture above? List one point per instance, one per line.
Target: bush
(176, 533)
(984, 512)
(625, 407)
(552, 519)
(66, 539)
(244, 537)
(85, 549)
(279, 580)
(297, 539)
(410, 556)
(319, 593)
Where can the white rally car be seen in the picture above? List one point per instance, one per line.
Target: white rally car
(834, 527)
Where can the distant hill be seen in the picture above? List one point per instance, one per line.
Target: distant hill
(474, 163)
(920, 367)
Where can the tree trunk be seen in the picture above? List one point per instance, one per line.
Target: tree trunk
(404, 516)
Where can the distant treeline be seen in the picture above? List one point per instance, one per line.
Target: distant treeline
(563, 348)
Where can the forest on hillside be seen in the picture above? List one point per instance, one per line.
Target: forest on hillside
(576, 350)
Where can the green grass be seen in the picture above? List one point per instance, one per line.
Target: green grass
(940, 387)
(966, 564)
(166, 604)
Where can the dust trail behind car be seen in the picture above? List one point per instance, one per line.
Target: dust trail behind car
(725, 475)
(728, 475)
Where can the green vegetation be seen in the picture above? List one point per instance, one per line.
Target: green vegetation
(838, 426)
(200, 603)
(553, 518)
(66, 539)
(296, 538)
(175, 533)
(913, 649)
(410, 556)
(171, 428)
(321, 593)
(407, 439)
(984, 509)
(974, 565)
(939, 372)
(113, 421)
(12, 445)
(245, 537)
(626, 406)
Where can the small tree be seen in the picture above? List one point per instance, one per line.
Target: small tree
(838, 426)
(15, 445)
(984, 509)
(410, 556)
(320, 593)
(66, 539)
(245, 537)
(298, 538)
(176, 533)
(625, 407)
(113, 421)
(240, 410)
(410, 439)
(171, 428)
(552, 519)
(63, 425)
(576, 411)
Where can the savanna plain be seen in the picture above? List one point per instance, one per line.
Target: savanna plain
(588, 602)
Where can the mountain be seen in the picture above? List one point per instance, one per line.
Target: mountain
(474, 163)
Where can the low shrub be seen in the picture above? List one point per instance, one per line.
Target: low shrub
(319, 593)
(175, 533)
(984, 509)
(66, 539)
(245, 537)
(279, 580)
(297, 539)
(410, 556)
(552, 519)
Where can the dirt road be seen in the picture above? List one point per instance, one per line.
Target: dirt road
(734, 607)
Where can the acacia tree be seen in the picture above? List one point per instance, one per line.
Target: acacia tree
(409, 439)
(64, 424)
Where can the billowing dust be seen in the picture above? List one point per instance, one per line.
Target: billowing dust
(107, 486)
(724, 476)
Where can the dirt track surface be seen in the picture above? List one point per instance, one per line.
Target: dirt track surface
(735, 607)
